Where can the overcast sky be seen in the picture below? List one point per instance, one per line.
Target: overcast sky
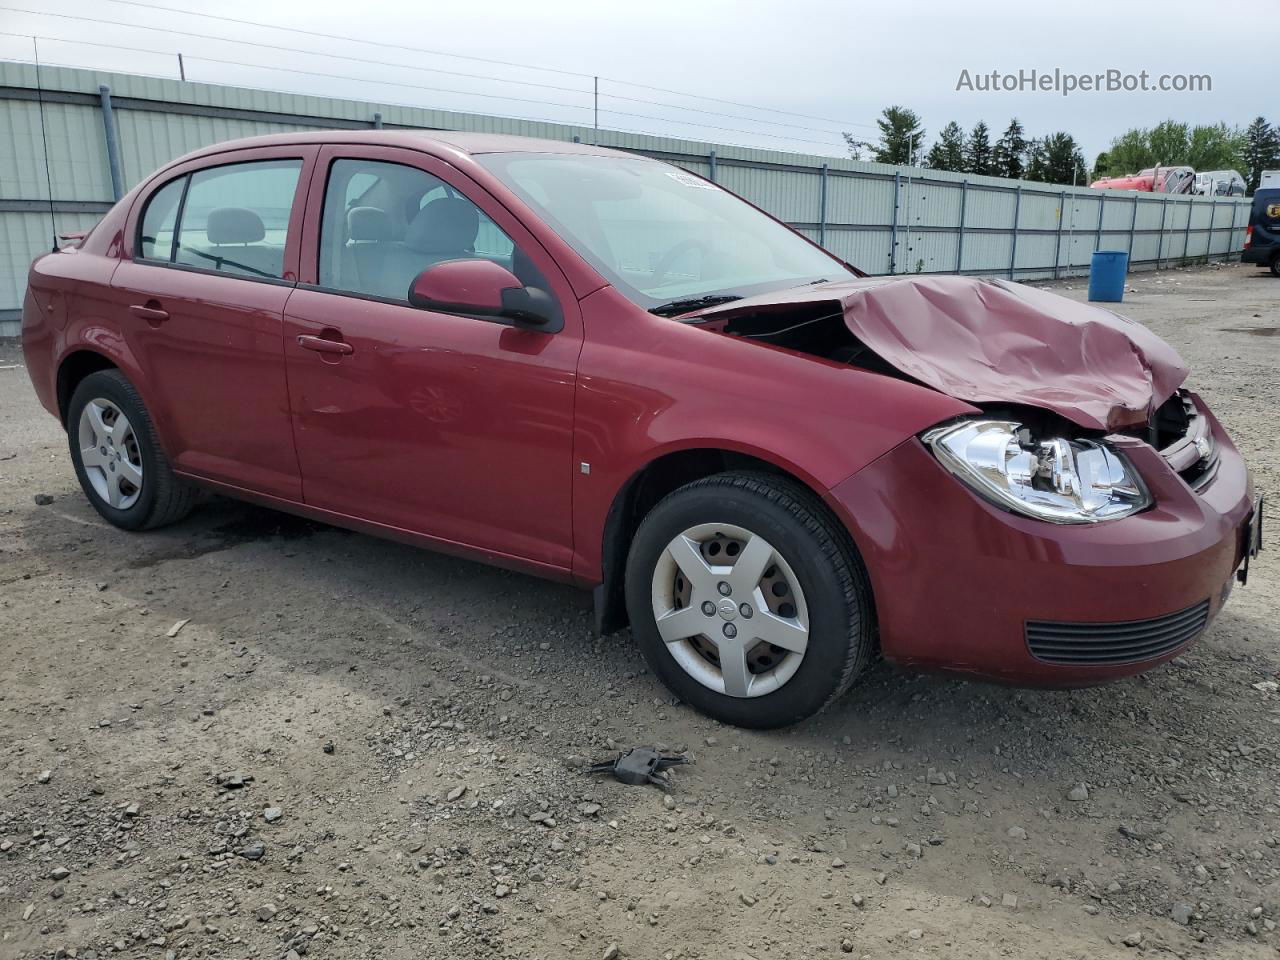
(842, 62)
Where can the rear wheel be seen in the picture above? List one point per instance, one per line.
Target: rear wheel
(748, 601)
(117, 455)
(1275, 265)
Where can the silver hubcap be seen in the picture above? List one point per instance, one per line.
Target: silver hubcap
(730, 610)
(109, 452)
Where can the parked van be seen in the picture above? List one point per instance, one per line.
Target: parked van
(1220, 183)
(1262, 238)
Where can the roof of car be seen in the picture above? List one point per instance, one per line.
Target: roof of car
(432, 141)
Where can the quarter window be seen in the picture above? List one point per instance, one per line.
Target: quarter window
(384, 223)
(156, 240)
(235, 218)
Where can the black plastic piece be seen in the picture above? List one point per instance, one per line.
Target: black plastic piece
(639, 766)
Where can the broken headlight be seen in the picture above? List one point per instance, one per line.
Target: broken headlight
(1059, 480)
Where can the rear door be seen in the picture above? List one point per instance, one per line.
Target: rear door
(200, 301)
(455, 427)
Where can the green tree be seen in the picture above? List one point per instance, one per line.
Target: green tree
(1057, 159)
(1129, 153)
(1037, 167)
(1215, 147)
(1007, 155)
(977, 150)
(1102, 165)
(948, 152)
(856, 146)
(1169, 142)
(1261, 151)
(901, 137)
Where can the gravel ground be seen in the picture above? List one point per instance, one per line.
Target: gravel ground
(251, 736)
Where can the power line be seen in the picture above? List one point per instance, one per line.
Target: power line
(447, 90)
(505, 63)
(455, 73)
(394, 83)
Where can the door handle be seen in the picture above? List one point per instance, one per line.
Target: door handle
(149, 313)
(321, 345)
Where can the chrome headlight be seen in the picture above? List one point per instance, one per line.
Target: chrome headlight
(1059, 480)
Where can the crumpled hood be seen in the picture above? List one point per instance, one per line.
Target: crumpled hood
(994, 341)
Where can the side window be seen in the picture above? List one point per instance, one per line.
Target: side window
(384, 223)
(155, 240)
(235, 218)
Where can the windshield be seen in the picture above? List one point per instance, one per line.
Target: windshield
(658, 233)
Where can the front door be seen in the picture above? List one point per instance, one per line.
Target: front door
(455, 427)
(201, 305)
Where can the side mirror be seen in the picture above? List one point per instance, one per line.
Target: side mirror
(483, 288)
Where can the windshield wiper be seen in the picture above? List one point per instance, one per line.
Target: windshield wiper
(677, 307)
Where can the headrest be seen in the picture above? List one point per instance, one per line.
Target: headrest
(369, 223)
(445, 225)
(234, 225)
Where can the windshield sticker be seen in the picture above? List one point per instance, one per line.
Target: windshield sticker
(689, 180)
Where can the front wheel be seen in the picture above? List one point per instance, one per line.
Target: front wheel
(748, 600)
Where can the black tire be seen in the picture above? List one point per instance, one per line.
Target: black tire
(823, 558)
(1275, 265)
(163, 497)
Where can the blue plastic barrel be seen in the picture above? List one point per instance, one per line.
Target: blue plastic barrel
(1106, 275)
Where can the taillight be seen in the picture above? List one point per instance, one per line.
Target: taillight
(1248, 236)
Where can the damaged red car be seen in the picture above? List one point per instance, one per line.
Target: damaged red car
(604, 369)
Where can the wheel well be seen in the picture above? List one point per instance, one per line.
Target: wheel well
(640, 495)
(75, 368)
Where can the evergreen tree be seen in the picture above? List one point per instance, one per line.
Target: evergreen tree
(1063, 161)
(1261, 151)
(948, 152)
(1037, 168)
(1007, 155)
(901, 137)
(977, 151)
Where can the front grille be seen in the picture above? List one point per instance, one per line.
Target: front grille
(1129, 641)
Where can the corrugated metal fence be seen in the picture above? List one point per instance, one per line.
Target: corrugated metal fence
(882, 218)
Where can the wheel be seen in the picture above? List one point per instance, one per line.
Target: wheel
(117, 456)
(1275, 265)
(748, 600)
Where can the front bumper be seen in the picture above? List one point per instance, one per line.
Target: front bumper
(957, 580)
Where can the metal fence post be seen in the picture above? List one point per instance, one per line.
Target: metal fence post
(893, 230)
(1186, 234)
(1231, 234)
(711, 162)
(113, 146)
(1133, 226)
(1057, 242)
(964, 198)
(822, 208)
(377, 121)
(1164, 212)
(1102, 207)
(1213, 225)
(1013, 247)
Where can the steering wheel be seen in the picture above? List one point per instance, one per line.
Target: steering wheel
(669, 258)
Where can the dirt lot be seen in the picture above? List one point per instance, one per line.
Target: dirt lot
(351, 748)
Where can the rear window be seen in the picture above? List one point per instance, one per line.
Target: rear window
(230, 219)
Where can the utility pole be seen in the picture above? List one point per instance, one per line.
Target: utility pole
(182, 69)
(595, 104)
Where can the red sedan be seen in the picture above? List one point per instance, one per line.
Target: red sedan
(604, 369)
